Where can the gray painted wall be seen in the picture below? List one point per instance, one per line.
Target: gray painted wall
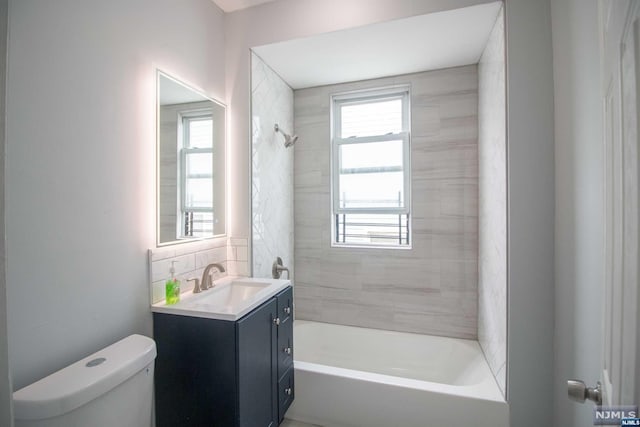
(80, 174)
(530, 192)
(579, 203)
(431, 288)
(6, 417)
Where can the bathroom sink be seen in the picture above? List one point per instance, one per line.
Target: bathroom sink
(227, 297)
(230, 299)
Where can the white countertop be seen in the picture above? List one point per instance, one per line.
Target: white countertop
(230, 299)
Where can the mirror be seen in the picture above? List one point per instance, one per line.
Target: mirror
(190, 163)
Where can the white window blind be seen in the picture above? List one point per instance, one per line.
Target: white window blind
(371, 168)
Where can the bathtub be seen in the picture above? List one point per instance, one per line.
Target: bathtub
(356, 377)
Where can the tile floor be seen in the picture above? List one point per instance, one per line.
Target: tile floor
(291, 423)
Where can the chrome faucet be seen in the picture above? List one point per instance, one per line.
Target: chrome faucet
(206, 282)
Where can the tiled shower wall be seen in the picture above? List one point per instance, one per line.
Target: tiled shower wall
(431, 288)
(492, 285)
(272, 169)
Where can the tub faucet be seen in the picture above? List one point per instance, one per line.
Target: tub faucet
(278, 268)
(206, 282)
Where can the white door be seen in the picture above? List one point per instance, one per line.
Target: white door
(620, 54)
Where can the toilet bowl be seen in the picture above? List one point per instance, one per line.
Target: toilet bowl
(112, 387)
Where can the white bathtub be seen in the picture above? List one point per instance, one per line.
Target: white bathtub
(355, 377)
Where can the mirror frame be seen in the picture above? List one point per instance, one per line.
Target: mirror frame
(160, 73)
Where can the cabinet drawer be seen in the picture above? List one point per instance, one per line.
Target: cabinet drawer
(285, 351)
(285, 305)
(285, 331)
(286, 393)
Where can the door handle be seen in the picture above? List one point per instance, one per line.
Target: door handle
(579, 392)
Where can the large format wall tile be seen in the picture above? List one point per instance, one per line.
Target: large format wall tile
(272, 169)
(431, 288)
(492, 315)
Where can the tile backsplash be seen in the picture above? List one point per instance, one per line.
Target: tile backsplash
(192, 258)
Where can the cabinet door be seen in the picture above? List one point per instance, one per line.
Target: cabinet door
(257, 367)
(195, 372)
(285, 331)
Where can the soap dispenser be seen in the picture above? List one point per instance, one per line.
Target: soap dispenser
(172, 287)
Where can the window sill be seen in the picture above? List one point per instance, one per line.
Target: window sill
(356, 246)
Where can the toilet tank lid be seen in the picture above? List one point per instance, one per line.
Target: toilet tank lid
(85, 380)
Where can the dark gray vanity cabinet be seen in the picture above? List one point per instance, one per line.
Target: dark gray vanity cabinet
(223, 373)
(285, 388)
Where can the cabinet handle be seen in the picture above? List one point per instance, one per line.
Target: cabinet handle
(288, 391)
(287, 310)
(276, 321)
(287, 350)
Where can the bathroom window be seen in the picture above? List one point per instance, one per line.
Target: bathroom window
(371, 168)
(196, 173)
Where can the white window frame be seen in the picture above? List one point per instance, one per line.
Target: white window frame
(185, 150)
(362, 97)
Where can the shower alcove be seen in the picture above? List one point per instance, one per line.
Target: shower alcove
(450, 281)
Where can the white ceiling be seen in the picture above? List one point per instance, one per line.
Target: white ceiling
(427, 42)
(231, 5)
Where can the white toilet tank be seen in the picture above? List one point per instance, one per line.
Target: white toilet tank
(111, 388)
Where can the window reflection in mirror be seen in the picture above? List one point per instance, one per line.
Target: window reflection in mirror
(190, 163)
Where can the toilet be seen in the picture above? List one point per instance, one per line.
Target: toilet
(112, 387)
